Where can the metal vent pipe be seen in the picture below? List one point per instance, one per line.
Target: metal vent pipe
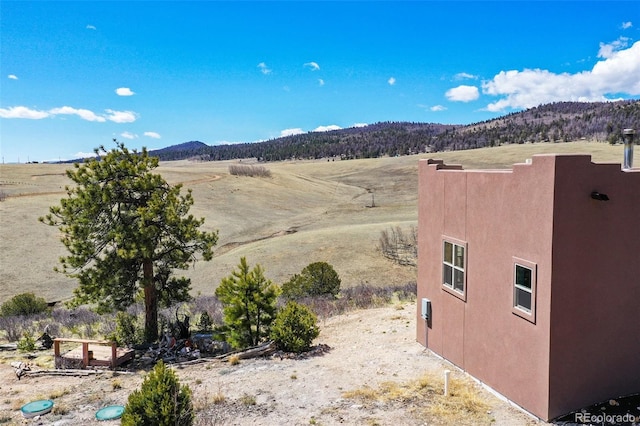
(628, 148)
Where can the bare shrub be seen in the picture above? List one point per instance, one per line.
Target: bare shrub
(249, 170)
(86, 323)
(79, 321)
(3, 195)
(14, 327)
(401, 248)
(209, 304)
(362, 296)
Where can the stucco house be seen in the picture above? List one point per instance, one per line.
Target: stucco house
(529, 278)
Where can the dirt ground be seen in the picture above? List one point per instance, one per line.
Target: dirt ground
(365, 348)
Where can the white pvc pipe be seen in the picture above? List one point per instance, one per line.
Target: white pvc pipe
(446, 382)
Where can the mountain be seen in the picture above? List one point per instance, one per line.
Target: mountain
(555, 122)
(182, 150)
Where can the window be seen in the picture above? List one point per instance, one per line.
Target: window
(453, 267)
(524, 288)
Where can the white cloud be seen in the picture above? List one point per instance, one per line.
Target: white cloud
(153, 135)
(291, 132)
(22, 112)
(124, 91)
(391, 81)
(129, 135)
(121, 116)
(85, 114)
(359, 125)
(321, 82)
(264, 69)
(437, 108)
(465, 76)
(607, 50)
(12, 77)
(463, 93)
(626, 25)
(327, 128)
(312, 65)
(616, 74)
(91, 27)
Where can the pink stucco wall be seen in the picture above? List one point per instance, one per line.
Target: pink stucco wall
(534, 212)
(595, 306)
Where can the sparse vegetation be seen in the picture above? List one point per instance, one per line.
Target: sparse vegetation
(463, 405)
(27, 343)
(60, 409)
(249, 170)
(218, 398)
(126, 329)
(59, 393)
(247, 399)
(360, 297)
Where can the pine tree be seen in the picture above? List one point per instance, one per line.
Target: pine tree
(316, 279)
(126, 230)
(295, 327)
(249, 305)
(160, 401)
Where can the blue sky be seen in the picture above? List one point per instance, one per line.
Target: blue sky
(75, 75)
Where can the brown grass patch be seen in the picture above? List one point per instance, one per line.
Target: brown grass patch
(464, 405)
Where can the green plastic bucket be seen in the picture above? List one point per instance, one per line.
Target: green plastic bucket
(36, 408)
(111, 412)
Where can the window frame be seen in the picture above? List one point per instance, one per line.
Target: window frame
(521, 311)
(451, 289)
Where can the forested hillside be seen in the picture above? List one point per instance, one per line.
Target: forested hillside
(556, 122)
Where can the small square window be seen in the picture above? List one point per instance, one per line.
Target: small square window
(524, 288)
(454, 267)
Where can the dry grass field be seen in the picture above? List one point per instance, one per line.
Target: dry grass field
(306, 211)
(374, 371)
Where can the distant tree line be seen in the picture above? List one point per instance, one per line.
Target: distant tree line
(556, 122)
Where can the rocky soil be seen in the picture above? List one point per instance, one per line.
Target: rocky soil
(360, 349)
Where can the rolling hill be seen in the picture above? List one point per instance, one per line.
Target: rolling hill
(556, 122)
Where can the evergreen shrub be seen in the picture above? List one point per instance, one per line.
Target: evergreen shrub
(160, 401)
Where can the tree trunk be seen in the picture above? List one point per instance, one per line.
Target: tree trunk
(150, 303)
